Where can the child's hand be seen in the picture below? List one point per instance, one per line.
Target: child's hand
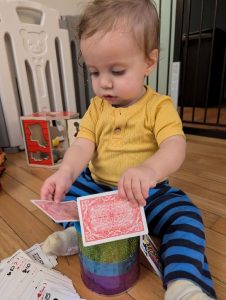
(55, 187)
(135, 183)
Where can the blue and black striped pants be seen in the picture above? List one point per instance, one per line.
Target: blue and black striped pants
(176, 220)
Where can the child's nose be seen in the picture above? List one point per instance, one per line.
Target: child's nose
(105, 82)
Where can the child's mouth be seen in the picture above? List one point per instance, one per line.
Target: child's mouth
(110, 98)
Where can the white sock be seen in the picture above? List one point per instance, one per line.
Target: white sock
(61, 243)
(185, 290)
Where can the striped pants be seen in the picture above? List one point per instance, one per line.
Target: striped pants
(172, 217)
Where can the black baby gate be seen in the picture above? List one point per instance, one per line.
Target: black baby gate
(200, 46)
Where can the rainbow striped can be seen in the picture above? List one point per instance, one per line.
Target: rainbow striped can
(110, 268)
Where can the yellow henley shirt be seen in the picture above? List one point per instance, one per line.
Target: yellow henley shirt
(126, 136)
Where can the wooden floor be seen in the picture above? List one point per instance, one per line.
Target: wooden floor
(202, 176)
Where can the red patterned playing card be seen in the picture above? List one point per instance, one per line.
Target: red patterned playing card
(59, 212)
(106, 217)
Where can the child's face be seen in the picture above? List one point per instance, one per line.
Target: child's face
(117, 66)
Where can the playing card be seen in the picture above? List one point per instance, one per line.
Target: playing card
(18, 254)
(52, 291)
(12, 264)
(36, 253)
(59, 212)
(55, 276)
(36, 286)
(106, 217)
(17, 270)
(151, 252)
(22, 278)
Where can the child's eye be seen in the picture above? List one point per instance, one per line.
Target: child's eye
(94, 73)
(118, 72)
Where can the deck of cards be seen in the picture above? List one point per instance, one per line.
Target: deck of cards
(58, 212)
(36, 254)
(106, 217)
(150, 251)
(23, 278)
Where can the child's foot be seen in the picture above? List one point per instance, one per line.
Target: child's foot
(61, 243)
(185, 290)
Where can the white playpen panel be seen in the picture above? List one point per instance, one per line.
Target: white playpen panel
(36, 65)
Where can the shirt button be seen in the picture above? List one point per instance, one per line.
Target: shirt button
(117, 130)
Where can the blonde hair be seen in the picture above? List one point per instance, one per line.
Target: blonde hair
(138, 16)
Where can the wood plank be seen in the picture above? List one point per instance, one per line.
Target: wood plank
(148, 287)
(216, 241)
(220, 290)
(209, 219)
(207, 143)
(220, 226)
(201, 163)
(19, 192)
(28, 228)
(205, 183)
(10, 242)
(210, 202)
(204, 139)
(47, 221)
(198, 192)
(217, 264)
(24, 177)
(23, 195)
(209, 205)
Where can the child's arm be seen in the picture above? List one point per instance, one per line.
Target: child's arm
(75, 160)
(135, 182)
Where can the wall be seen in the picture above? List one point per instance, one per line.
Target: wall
(66, 7)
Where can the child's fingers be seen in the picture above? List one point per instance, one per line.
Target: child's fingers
(46, 192)
(121, 190)
(125, 190)
(137, 191)
(131, 190)
(59, 193)
(48, 196)
(145, 188)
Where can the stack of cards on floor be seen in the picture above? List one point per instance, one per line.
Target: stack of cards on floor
(36, 253)
(23, 278)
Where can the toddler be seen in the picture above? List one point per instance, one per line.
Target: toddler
(131, 138)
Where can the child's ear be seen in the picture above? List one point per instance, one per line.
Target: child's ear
(152, 61)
